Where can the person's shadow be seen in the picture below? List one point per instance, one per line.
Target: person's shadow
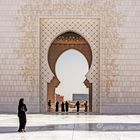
(77, 127)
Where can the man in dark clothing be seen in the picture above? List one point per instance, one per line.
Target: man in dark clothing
(78, 105)
(67, 106)
(22, 115)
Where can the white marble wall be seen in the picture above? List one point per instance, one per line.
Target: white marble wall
(12, 82)
(124, 94)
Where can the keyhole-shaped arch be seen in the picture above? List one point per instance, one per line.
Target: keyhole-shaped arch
(71, 68)
(64, 42)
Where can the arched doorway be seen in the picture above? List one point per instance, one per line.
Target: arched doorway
(89, 29)
(66, 41)
(71, 69)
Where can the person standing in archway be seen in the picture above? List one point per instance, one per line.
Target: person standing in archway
(86, 106)
(78, 105)
(57, 106)
(67, 106)
(49, 105)
(62, 107)
(22, 115)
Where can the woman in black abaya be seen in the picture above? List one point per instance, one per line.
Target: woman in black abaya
(22, 115)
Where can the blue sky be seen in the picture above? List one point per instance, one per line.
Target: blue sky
(71, 68)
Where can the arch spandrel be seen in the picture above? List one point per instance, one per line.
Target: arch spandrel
(90, 42)
(71, 40)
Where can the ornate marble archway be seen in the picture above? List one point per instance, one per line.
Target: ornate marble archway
(62, 43)
(50, 29)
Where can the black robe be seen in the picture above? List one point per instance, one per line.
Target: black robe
(22, 116)
(57, 107)
(62, 107)
(67, 106)
(78, 105)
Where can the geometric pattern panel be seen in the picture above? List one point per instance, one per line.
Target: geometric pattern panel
(50, 29)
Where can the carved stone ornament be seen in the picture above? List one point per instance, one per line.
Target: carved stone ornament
(50, 29)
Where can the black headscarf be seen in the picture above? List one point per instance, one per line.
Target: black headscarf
(21, 102)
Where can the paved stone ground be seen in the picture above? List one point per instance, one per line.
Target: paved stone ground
(71, 127)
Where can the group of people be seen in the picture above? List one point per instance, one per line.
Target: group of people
(22, 111)
(65, 106)
(78, 106)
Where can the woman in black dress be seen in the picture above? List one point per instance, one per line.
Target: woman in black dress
(49, 106)
(57, 106)
(67, 106)
(78, 105)
(62, 107)
(22, 115)
(86, 106)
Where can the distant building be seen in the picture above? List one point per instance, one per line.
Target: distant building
(59, 98)
(80, 97)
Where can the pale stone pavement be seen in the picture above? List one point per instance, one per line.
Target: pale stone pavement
(71, 127)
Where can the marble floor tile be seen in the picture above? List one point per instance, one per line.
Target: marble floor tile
(71, 127)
